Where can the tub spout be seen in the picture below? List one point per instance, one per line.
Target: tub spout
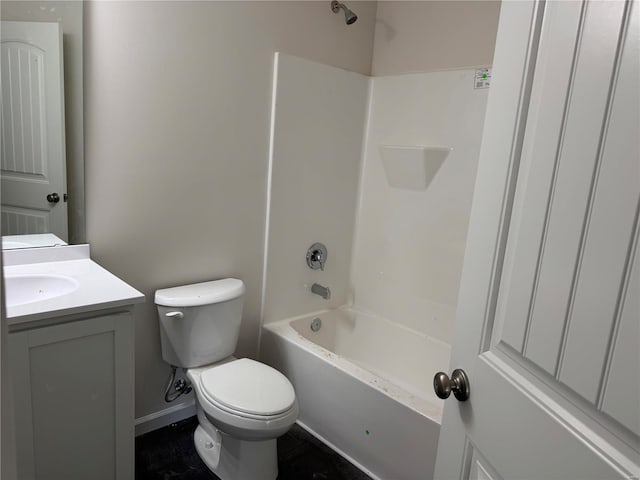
(324, 292)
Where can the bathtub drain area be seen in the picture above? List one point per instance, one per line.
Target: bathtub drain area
(316, 324)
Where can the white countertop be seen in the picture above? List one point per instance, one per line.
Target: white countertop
(97, 289)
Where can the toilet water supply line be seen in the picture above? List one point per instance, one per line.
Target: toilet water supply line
(180, 386)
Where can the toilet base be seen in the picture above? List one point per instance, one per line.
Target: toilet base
(234, 459)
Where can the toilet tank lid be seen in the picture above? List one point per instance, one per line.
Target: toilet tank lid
(204, 293)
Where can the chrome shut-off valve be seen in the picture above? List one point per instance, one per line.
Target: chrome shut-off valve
(316, 256)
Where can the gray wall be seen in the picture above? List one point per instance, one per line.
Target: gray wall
(434, 35)
(177, 107)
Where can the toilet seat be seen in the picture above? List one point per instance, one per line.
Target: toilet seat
(248, 389)
(242, 425)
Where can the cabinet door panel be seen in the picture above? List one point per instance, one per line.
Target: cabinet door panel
(68, 380)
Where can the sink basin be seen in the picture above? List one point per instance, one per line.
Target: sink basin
(30, 288)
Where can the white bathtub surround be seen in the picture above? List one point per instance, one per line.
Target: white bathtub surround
(412, 167)
(407, 255)
(317, 129)
(410, 244)
(364, 386)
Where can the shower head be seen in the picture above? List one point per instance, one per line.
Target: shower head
(349, 16)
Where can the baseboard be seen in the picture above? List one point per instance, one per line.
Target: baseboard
(165, 417)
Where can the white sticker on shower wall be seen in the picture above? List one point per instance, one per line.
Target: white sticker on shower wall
(410, 244)
(482, 78)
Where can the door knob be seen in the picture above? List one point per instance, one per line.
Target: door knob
(53, 198)
(458, 384)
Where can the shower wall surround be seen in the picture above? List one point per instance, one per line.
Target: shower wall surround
(329, 185)
(319, 115)
(410, 243)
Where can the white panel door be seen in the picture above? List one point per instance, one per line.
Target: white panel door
(548, 324)
(33, 146)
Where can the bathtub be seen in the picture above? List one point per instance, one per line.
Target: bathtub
(364, 386)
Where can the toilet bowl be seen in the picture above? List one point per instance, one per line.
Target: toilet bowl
(243, 405)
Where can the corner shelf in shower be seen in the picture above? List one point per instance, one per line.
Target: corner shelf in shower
(412, 167)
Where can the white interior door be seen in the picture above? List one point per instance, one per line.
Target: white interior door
(548, 324)
(33, 146)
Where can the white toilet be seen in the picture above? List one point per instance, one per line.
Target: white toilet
(243, 405)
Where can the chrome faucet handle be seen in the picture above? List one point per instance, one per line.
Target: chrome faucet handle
(316, 256)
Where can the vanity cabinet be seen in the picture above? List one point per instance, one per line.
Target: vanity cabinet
(73, 390)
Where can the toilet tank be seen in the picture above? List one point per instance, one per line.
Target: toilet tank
(200, 323)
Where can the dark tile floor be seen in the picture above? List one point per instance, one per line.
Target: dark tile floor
(169, 453)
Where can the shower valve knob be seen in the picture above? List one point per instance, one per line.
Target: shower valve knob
(458, 384)
(316, 256)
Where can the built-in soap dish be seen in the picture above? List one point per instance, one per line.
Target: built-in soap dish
(412, 167)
